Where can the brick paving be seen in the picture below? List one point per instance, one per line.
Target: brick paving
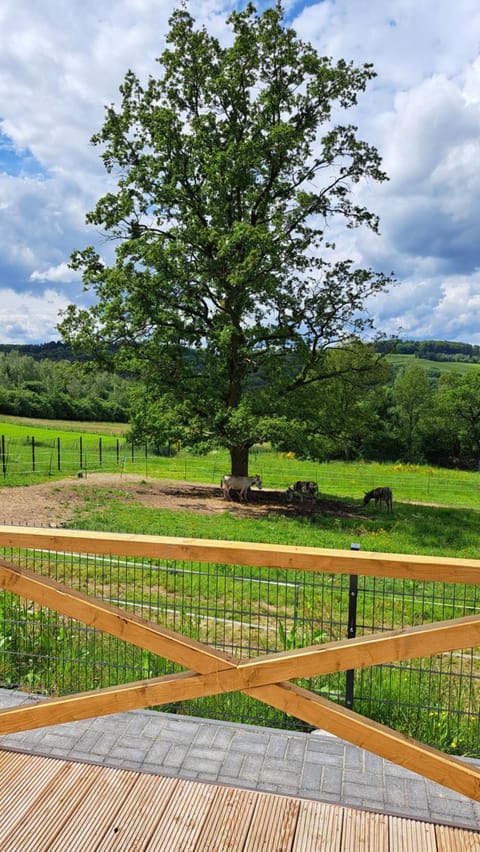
(313, 766)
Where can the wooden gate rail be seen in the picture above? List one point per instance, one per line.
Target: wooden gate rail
(254, 555)
(266, 678)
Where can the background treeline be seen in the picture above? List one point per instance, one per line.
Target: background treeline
(432, 350)
(43, 381)
(392, 412)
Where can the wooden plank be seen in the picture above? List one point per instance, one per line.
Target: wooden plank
(228, 820)
(124, 818)
(305, 662)
(456, 839)
(410, 566)
(181, 823)
(273, 824)
(444, 769)
(360, 652)
(22, 788)
(50, 811)
(407, 835)
(319, 826)
(366, 832)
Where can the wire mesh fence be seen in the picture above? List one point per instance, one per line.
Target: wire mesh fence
(247, 612)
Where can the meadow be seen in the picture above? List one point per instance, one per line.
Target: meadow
(433, 367)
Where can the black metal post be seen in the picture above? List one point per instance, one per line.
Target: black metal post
(351, 631)
(33, 454)
(4, 457)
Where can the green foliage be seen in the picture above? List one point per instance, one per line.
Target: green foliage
(225, 293)
(57, 389)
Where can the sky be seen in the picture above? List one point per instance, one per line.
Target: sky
(62, 62)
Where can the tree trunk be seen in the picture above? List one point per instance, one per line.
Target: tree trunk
(239, 461)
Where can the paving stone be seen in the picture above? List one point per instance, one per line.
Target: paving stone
(232, 765)
(175, 756)
(332, 781)
(205, 766)
(296, 749)
(104, 744)
(252, 766)
(276, 747)
(311, 778)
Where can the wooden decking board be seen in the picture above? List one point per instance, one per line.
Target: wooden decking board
(61, 806)
(456, 839)
(134, 825)
(19, 794)
(229, 819)
(51, 809)
(273, 824)
(319, 826)
(96, 812)
(410, 834)
(365, 832)
(181, 823)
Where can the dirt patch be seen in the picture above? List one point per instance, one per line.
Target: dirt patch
(53, 503)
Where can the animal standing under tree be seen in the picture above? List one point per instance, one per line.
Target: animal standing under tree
(380, 495)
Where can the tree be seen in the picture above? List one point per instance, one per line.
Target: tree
(339, 416)
(412, 401)
(458, 400)
(230, 167)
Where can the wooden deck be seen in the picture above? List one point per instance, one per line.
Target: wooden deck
(53, 804)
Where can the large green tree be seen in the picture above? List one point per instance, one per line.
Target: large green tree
(225, 293)
(412, 396)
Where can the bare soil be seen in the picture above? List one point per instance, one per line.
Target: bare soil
(53, 503)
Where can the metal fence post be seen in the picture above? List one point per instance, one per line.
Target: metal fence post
(351, 630)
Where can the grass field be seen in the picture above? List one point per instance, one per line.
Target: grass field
(400, 360)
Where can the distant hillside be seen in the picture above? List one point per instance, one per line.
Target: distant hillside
(54, 351)
(398, 351)
(432, 350)
(433, 368)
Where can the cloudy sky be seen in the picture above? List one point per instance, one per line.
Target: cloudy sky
(62, 61)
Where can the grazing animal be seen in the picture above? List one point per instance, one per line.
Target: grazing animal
(380, 495)
(242, 484)
(302, 489)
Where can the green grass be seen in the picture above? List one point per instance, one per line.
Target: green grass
(401, 360)
(12, 426)
(425, 530)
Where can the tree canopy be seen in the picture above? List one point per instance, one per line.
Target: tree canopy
(225, 293)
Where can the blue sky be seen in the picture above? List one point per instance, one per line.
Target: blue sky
(61, 61)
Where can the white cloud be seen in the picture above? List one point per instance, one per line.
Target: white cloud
(62, 62)
(61, 273)
(29, 318)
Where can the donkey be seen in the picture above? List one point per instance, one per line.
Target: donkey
(380, 495)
